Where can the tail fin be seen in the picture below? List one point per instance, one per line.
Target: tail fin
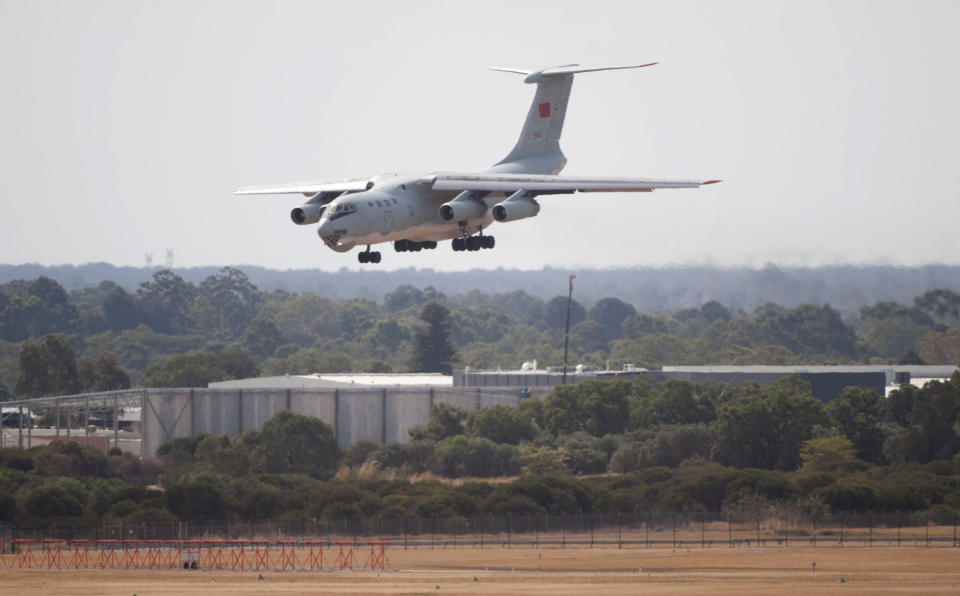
(538, 149)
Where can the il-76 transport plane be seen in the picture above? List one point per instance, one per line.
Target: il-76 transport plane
(415, 211)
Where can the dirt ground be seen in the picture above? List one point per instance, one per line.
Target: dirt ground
(548, 571)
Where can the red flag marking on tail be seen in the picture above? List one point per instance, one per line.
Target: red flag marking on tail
(544, 110)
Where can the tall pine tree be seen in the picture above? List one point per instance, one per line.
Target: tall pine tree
(432, 349)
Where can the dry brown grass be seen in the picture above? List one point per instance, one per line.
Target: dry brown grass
(549, 571)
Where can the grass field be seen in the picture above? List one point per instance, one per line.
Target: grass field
(549, 571)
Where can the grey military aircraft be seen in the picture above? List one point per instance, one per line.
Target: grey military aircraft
(416, 211)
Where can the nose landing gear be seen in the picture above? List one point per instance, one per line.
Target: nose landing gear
(368, 257)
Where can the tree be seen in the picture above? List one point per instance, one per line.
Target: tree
(432, 350)
(828, 454)
(120, 309)
(606, 406)
(47, 367)
(262, 337)
(610, 314)
(102, 374)
(165, 302)
(859, 413)
(225, 304)
(588, 336)
(943, 306)
(940, 348)
(764, 427)
(30, 309)
(563, 411)
(555, 313)
(407, 296)
(198, 369)
(501, 424)
(444, 421)
(291, 443)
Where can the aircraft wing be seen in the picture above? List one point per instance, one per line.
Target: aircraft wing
(308, 188)
(551, 184)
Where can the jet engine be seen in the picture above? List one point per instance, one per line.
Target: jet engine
(464, 206)
(307, 214)
(515, 208)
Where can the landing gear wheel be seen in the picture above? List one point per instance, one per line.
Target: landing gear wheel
(473, 243)
(364, 257)
(375, 257)
(458, 244)
(487, 242)
(401, 246)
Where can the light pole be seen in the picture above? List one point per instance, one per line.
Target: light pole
(566, 333)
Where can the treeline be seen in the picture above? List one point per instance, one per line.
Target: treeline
(598, 447)
(651, 289)
(173, 332)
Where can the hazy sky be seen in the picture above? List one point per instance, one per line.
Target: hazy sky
(125, 125)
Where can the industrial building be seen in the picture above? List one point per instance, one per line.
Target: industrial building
(376, 407)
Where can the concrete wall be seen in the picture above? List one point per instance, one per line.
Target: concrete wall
(377, 414)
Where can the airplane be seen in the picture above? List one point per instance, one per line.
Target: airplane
(416, 211)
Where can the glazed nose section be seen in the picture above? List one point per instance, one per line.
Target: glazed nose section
(326, 227)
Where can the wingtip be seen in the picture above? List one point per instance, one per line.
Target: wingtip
(710, 182)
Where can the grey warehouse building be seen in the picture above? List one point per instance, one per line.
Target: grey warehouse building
(826, 381)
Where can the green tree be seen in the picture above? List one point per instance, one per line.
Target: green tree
(102, 374)
(563, 411)
(610, 313)
(432, 350)
(47, 367)
(828, 454)
(943, 306)
(444, 421)
(859, 413)
(198, 369)
(225, 304)
(501, 424)
(291, 443)
(262, 337)
(120, 309)
(764, 427)
(606, 406)
(165, 302)
(555, 313)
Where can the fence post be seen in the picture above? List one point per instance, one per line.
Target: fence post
(674, 531)
(703, 529)
(898, 529)
(619, 531)
(730, 530)
(509, 529)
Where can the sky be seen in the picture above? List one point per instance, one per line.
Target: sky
(125, 126)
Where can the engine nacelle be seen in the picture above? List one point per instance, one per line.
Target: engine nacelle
(307, 214)
(515, 208)
(464, 207)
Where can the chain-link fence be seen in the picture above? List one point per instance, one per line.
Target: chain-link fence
(635, 529)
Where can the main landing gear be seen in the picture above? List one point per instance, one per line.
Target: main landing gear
(411, 246)
(368, 257)
(473, 243)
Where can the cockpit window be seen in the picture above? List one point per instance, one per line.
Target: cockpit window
(342, 210)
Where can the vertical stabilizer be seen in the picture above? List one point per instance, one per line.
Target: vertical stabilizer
(538, 149)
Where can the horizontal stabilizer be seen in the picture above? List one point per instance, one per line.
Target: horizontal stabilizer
(533, 76)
